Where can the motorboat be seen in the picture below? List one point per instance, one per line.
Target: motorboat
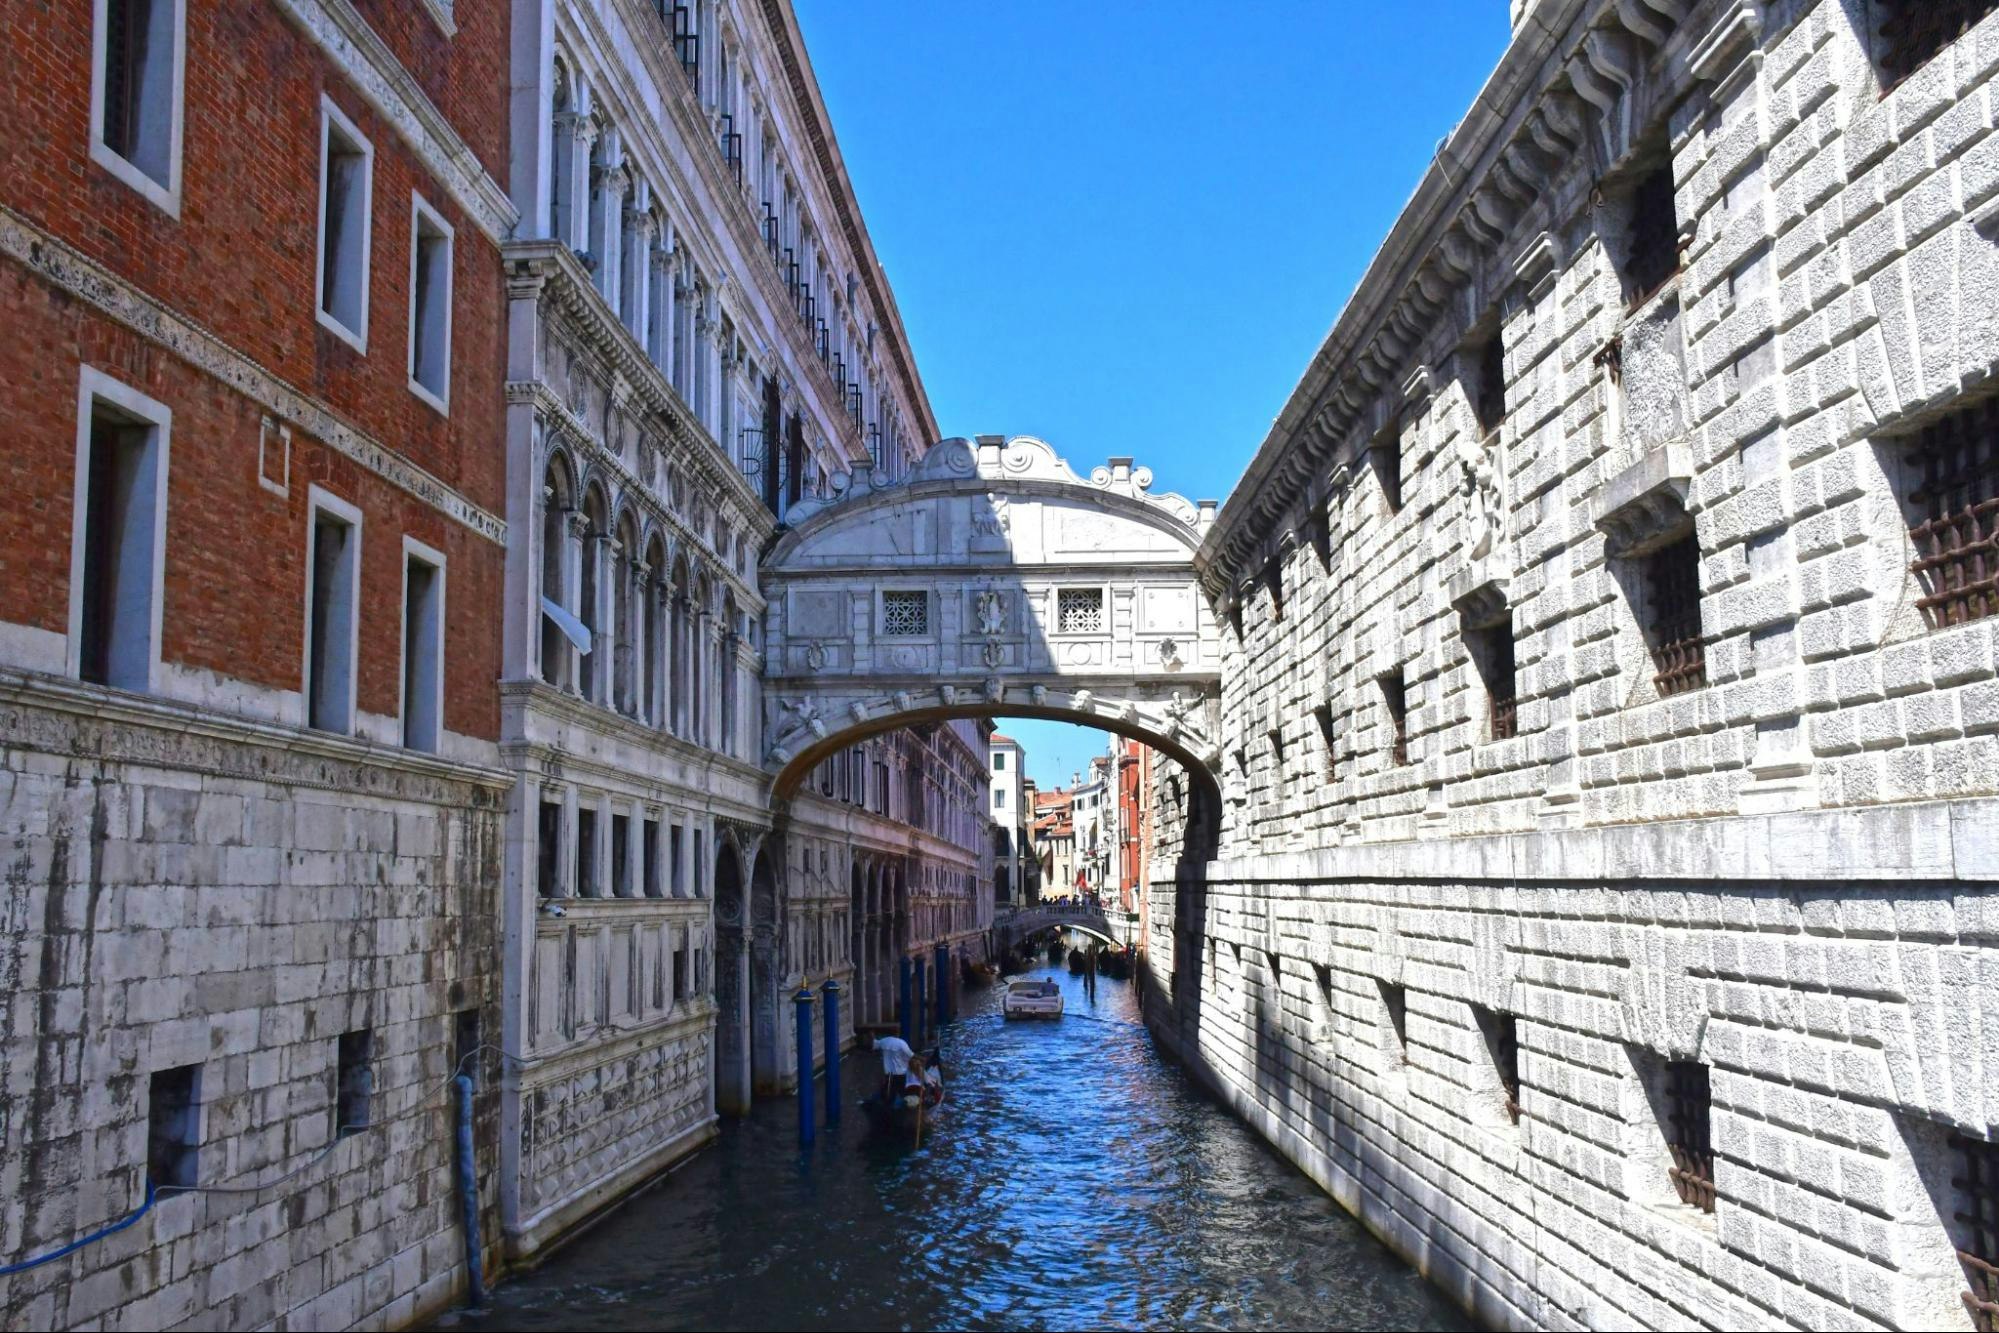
(1032, 999)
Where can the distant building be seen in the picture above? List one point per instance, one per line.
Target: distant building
(1007, 806)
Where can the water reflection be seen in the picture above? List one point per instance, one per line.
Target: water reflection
(1074, 1180)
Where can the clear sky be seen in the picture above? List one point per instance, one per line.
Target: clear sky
(1125, 227)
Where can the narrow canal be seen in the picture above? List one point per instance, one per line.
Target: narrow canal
(1074, 1180)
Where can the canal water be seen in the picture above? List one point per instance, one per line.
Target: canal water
(1074, 1179)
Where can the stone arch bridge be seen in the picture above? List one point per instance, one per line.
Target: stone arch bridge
(992, 580)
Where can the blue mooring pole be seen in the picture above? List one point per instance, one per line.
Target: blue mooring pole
(803, 1001)
(468, 1195)
(902, 1008)
(921, 1009)
(943, 984)
(831, 990)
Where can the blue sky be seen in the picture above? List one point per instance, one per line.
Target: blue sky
(1125, 227)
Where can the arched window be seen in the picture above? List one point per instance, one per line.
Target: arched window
(627, 638)
(730, 671)
(679, 676)
(702, 621)
(652, 691)
(558, 500)
(562, 164)
(590, 599)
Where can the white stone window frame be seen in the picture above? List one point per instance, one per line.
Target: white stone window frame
(332, 118)
(94, 387)
(426, 554)
(422, 213)
(882, 596)
(318, 501)
(1103, 611)
(168, 196)
(441, 13)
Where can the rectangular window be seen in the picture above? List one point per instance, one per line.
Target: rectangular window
(1688, 1103)
(621, 859)
(1673, 629)
(1323, 715)
(683, 962)
(173, 1127)
(1385, 457)
(905, 614)
(1652, 235)
(999, 798)
(700, 875)
(1489, 397)
(354, 1082)
(586, 853)
(119, 534)
(465, 1046)
(676, 870)
(1395, 703)
(651, 847)
(332, 594)
(1973, 1225)
(430, 305)
(548, 851)
(1915, 32)
(1956, 518)
(1502, 1047)
(999, 763)
(346, 184)
(423, 646)
(1079, 610)
(1492, 650)
(1395, 1008)
(136, 102)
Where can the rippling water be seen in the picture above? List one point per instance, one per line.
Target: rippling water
(1075, 1179)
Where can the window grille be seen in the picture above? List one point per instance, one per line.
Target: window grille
(731, 144)
(1957, 543)
(1654, 235)
(1914, 32)
(771, 238)
(1679, 654)
(905, 614)
(1502, 1043)
(1079, 610)
(1977, 1230)
(1688, 1100)
(1501, 690)
(1490, 402)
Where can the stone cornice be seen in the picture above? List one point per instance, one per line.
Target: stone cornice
(68, 270)
(581, 713)
(58, 715)
(368, 65)
(1564, 90)
(783, 26)
(691, 125)
(549, 271)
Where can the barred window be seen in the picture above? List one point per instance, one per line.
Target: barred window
(1395, 700)
(1493, 652)
(1079, 610)
(1914, 32)
(1489, 399)
(1653, 256)
(1679, 653)
(1502, 1045)
(905, 614)
(1957, 508)
(1974, 1226)
(1689, 1099)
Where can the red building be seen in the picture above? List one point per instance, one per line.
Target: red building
(252, 388)
(1133, 822)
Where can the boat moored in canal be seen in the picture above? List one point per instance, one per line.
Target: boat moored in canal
(1032, 999)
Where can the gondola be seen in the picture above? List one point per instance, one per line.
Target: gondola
(899, 1117)
(1078, 961)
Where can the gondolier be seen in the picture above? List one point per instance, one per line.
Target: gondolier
(896, 1055)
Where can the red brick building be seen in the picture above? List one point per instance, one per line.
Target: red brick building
(251, 383)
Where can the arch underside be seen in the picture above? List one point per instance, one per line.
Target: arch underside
(839, 727)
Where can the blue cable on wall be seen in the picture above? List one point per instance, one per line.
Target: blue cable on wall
(75, 1245)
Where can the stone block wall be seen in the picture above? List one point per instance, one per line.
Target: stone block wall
(181, 891)
(1776, 886)
(1844, 1026)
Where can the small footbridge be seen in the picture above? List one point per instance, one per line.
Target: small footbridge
(1013, 924)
